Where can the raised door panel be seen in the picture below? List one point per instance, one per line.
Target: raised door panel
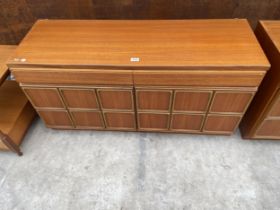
(154, 100)
(150, 121)
(116, 99)
(270, 129)
(120, 120)
(80, 98)
(275, 109)
(221, 123)
(87, 119)
(186, 122)
(56, 118)
(44, 97)
(191, 101)
(231, 102)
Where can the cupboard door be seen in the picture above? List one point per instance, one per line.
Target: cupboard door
(80, 98)
(232, 102)
(150, 121)
(44, 97)
(87, 119)
(116, 99)
(154, 99)
(270, 128)
(56, 118)
(187, 122)
(191, 101)
(119, 120)
(221, 123)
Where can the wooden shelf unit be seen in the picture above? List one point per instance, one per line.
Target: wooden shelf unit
(190, 76)
(16, 113)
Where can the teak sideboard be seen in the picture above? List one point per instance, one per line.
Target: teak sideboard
(262, 121)
(193, 76)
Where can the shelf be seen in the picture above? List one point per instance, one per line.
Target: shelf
(15, 111)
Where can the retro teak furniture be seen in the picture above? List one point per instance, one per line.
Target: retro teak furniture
(16, 113)
(263, 118)
(194, 76)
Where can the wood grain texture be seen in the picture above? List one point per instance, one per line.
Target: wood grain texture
(13, 28)
(87, 119)
(120, 99)
(56, 118)
(80, 98)
(44, 97)
(268, 93)
(5, 52)
(154, 99)
(177, 43)
(221, 123)
(119, 120)
(153, 121)
(191, 101)
(233, 102)
(269, 129)
(186, 122)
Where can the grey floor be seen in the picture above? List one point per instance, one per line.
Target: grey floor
(131, 171)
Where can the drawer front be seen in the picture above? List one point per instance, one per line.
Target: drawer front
(73, 76)
(79, 98)
(44, 97)
(198, 78)
(270, 128)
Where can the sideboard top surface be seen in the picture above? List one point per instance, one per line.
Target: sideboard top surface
(178, 44)
(272, 28)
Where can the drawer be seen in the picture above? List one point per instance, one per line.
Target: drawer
(198, 78)
(270, 128)
(79, 98)
(73, 76)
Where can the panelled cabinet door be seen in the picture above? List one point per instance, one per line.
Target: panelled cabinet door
(120, 120)
(87, 119)
(56, 118)
(186, 122)
(224, 124)
(44, 97)
(80, 98)
(116, 99)
(153, 121)
(231, 102)
(191, 101)
(158, 100)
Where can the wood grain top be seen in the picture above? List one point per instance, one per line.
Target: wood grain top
(5, 53)
(178, 44)
(272, 28)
